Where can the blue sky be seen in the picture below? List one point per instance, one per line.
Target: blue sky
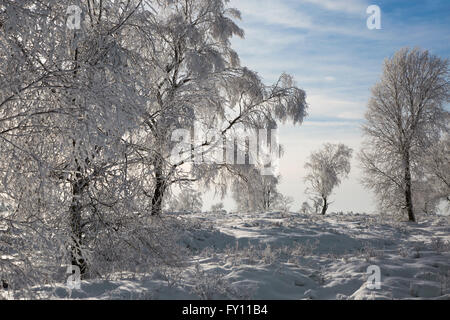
(336, 59)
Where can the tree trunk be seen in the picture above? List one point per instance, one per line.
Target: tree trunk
(325, 206)
(76, 252)
(408, 192)
(160, 189)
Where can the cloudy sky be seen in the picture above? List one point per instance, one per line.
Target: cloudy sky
(336, 59)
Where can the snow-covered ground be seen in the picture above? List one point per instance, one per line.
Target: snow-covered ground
(290, 256)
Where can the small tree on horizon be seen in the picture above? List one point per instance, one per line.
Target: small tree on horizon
(255, 192)
(306, 208)
(326, 168)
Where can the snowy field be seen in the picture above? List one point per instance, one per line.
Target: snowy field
(289, 256)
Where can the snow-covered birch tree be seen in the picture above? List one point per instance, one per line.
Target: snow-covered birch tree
(254, 192)
(325, 170)
(433, 188)
(197, 78)
(71, 107)
(405, 117)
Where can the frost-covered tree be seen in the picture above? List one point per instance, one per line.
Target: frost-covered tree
(71, 108)
(283, 203)
(197, 78)
(306, 208)
(434, 186)
(254, 192)
(325, 170)
(218, 207)
(405, 117)
(437, 162)
(317, 203)
(188, 200)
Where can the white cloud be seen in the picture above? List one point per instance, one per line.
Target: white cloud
(330, 107)
(327, 124)
(348, 6)
(272, 12)
(269, 39)
(285, 14)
